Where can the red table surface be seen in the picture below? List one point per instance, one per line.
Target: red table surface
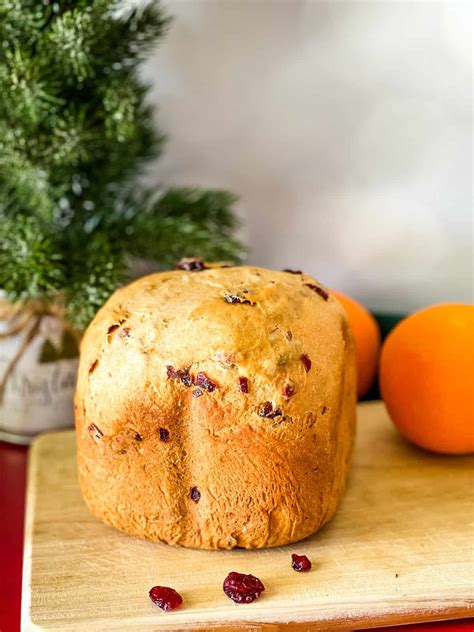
(12, 500)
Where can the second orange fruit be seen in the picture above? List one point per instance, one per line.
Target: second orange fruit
(366, 338)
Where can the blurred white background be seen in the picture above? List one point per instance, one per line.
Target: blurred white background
(345, 127)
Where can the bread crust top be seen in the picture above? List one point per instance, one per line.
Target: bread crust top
(275, 327)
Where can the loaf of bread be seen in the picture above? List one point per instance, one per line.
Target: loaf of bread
(215, 407)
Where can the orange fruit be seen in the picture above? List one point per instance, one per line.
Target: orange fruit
(427, 378)
(366, 338)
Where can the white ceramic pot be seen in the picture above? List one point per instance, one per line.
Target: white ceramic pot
(38, 365)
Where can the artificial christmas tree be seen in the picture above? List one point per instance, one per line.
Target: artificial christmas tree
(75, 135)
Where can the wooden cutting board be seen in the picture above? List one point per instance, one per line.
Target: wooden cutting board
(399, 550)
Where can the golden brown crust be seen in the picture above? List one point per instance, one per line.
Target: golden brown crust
(147, 438)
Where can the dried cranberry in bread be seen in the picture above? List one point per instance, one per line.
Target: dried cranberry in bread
(215, 407)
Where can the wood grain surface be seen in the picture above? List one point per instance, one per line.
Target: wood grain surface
(400, 549)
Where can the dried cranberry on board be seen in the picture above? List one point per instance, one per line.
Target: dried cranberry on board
(300, 563)
(242, 588)
(165, 598)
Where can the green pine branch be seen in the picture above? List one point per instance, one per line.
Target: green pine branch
(96, 267)
(75, 135)
(32, 262)
(186, 222)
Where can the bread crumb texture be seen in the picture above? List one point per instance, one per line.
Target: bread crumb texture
(216, 408)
